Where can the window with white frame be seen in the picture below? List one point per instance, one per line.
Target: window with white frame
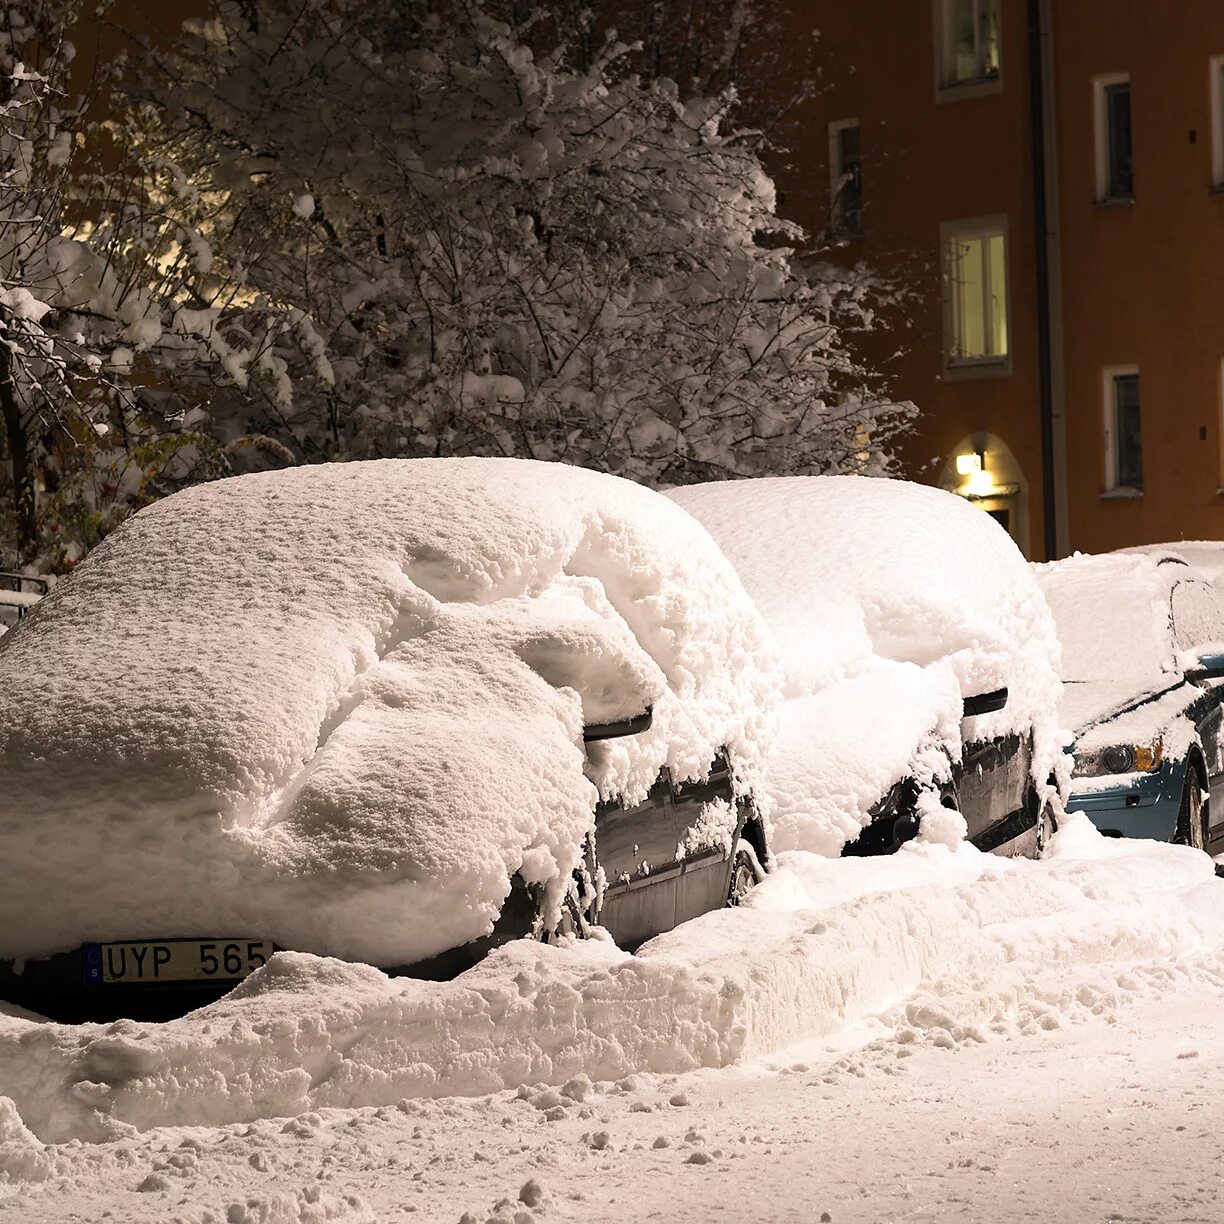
(1123, 435)
(1220, 429)
(1216, 85)
(967, 41)
(846, 178)
(1114, 160)
(975, 291)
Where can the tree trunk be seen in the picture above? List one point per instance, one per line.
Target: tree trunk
(17, 435)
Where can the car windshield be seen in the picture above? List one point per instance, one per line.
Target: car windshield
(1112, 624)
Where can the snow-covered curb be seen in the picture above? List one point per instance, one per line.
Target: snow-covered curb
(950, 942)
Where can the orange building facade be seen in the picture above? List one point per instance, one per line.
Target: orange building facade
(1049, 179)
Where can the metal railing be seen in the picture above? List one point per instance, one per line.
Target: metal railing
(21, 591)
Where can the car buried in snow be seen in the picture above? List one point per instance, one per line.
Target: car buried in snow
(1143, 685)
(919, 663)
(396, 712)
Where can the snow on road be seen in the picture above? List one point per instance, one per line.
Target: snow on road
(935, 1034)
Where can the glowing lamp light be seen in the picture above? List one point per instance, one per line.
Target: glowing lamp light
(980, 484)
(968, 465)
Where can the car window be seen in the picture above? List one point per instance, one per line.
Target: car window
(1197, 612)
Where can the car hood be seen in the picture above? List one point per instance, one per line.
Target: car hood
(1088, 703)
(1103, 713)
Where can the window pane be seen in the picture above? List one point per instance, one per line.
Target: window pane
(970, 290)
(850, 189)
(988, 38)
(970, 40)
(1126, 425)
(998, 297)
(1118, 134)
(1218, 121)
(962, 39)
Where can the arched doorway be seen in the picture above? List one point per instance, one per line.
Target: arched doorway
(983, 469)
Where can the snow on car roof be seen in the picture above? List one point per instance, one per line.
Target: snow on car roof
(852, 574)
(339, 706)
(1206, 556)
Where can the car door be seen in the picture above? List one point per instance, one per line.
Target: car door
(707, 821)
(993, 790)
(636, 848)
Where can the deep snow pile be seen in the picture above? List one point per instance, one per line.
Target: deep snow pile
(890, 602)
(338, 706)
(943, 946)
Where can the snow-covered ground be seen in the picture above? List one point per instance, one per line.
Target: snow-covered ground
(934, 1035)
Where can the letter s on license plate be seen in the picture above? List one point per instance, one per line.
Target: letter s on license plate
(151, 962)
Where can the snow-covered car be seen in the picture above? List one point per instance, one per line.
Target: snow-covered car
(919, 656)
(393, 711)
(1143, 681)
(18, 594)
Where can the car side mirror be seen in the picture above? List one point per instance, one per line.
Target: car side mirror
(1208, 667)
(985, 703)
(618, 730)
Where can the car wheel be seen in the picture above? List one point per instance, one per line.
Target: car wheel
(1191, 817)
(746, 872)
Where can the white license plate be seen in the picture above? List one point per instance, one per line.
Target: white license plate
(151, 962)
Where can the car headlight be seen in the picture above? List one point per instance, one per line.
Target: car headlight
(1119, 759)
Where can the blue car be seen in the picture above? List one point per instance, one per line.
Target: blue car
(1142, 640)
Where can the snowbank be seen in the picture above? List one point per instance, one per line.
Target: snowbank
(945, 946)
(339, 706)
(890, 602)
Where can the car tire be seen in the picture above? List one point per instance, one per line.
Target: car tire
(746, 872)
(1047, 826)
(1192, 815)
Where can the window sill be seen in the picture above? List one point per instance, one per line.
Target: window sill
(1121, 493)
(957, 371)
(1115, 202)
(963, 91)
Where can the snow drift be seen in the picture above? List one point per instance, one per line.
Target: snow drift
(938, 945)
(339, 706)
(890, 602)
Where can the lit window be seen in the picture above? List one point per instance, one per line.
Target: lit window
(968, 41)
(1217, 120)
(1123, 438)
(1115, 164)
(975, 292)
(846, 178)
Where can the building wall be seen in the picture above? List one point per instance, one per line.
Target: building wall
(931, 157)
(1141, 283)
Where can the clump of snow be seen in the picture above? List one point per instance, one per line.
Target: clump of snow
(890, 603)
(340, 706)
(943, 945)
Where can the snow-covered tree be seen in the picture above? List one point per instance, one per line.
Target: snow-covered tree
(474, 248)
(101, 303)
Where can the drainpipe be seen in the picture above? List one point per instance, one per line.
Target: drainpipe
(1049, 283)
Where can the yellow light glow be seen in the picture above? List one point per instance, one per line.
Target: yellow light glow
(980, 484)
(1149, 757)
(967, 465)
